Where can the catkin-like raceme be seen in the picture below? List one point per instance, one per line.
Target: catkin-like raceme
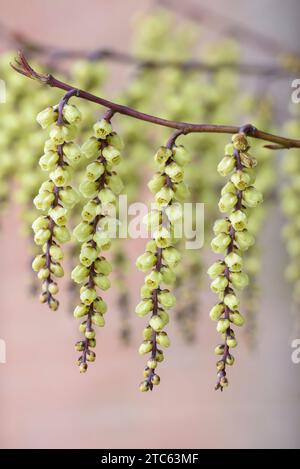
(56, 196)
(231, 239)
(100, 187)
(161, 257)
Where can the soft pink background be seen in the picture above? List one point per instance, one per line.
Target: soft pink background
(45, 403)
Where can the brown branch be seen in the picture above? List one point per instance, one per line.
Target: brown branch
(22, 66)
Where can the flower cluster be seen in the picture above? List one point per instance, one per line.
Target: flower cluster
(232, 238)
(56, 196)
(100, 186)
(161, 257)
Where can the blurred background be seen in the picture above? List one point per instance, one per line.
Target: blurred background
(44, 401)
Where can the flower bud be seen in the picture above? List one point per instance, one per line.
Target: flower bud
(88, 255)
(41, 237)
(216, 312)
(58, 134)
(220, 242)
(61, 234)
(48, 161)
(102, 129)
(58, 215)
(241, 179)
(180, 155)
(102, 282)
(83, 367)
(234, 262)
(163, 340)
(155, 379)
(99, 305)
(106, 196)
(221, 226)
(159, 357)
(230, 359)
(231, 342)
(90, 211)
(174, 213)
(156, 323)
(252, 197)
(115, 140)
(98, 320)
(80, 311)
(91, 148)
(243, 240)
(219, 350)
(156, 183)
(53, 288)
(144, 386)
(56, 252)
(115, 183)
(164, 196)
(219, 284)
(162, 155)
(102, 241)
(181, 191)
(79, 273)
(43, 200)
(217, 268)
(43, 274)
(38, 262)
(240, 141)
(175, 172)
(229, 187)
(237, 319)
(168, 276)
(71, 114)
(239, 280)
(227, 202)
(231, 301)
(145, 347)
(88, 295)
(163, 238)
(41, 223)
(83, 232)
(57, 270)
(238, 220)
(94, 171)
(90, 334)
(46, 117)
(89, 189)
(153, 279)
(72, 152)
(102, 266)
(147, 334)
(68, 196)
(144, 307)
(223, 325)
(226, 165)
(112, 155)
(145, 292)
(60, 176)
(152, 363)
(152, 219)
(146, 261)
(171, 256)
(229, 150)
(166, 299)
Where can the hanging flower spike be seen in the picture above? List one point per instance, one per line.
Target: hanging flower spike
(101, 185)
(160, 256)
(232, 238)
(56, 196)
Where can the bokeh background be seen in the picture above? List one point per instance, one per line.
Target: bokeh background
(44, 401)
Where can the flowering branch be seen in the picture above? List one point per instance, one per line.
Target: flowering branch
(22, 66)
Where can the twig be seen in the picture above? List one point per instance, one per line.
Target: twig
(22, 66)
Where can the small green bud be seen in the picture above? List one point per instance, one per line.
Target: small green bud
(90, 334)
(168, 276)
(180, 155)
(41, 237)
(69, 197)
(181, 191)
(57, 270)
(112, 155)
(227, 202)
(159, 357)
(231, 342)
(219, 350)
(164, 196)
(41, 223)
(102, 282)
(88, 189)
(216, 312)
(152, 363)
(43, 200)
(91, 148)
(234, 262)
(145, 347)
(156, 183)
(221, 226)
(146, 292)
(166, 299)
(229, 150)
(115, 183)
(38, 262)
(146, 261)
(230, 359)
(240, 141)
(163, 238)
(90, 211)
(156, 323)
(79, 273)
(99, 305)
(90, 356)
(58, 215)
(163, 340)
(98, 320)
(80, 311)
(153, 279)
(48, 161)
(220, 242)
(102, 241)
(155, 379)
(60, 176)
(144, 386)
(88, 295)
(56, 253)
(83, 232)
(88, 255)
(46, 117)
(238, 220)
(53, 288)
(71, 114)
(237, 319)
(171, 256)
(102, 266)
(115, 140)
(219, 284)
(175, 172)
(72, 152)
(239, 280)
(174, 213)
(162, 155)
(144, 307)
(106, 196)
(94, 171)
(102, 129)
(231, 301)
(243, 240)
(229, 187)
(252, 197)
(43, 274)
(226, 165)
(241, 179)
(223, 325)
(147, 334)
(61, 234)
(151, 246)
(217, 268)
